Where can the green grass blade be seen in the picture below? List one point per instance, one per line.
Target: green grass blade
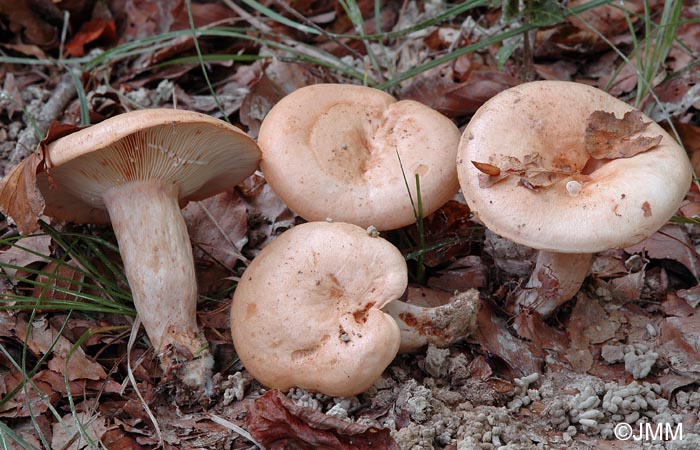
(480, 45)
(267, 12)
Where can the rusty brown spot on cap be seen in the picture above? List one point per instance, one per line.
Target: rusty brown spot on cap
(361, 315)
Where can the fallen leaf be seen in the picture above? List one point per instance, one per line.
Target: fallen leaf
(670, 242)
(609, 264)
(488, 169)
(531, 171)
(277, 422)
(679, 344)
(267, 214)
(691, 296)
(26, 251)
(68, 432)
(63, 276)
(608, 137)
(522, 357)
(20, 198)
(218, 225)
(465, 273)
(24, 18)
(116, 439)
(218, 230)
(454, 94)
(628, 286)
(42, 337)
(29, 431)
(277, 80)
(588, 324)
(530, 326)
(511, 258)
(673, 305)
(33, 401)
(690, 137)
(91, 31)
(58, 384)
(13, 98)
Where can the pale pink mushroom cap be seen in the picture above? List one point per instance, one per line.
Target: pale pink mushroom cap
(330, 151)
(306, 312)
(200, 154)
(625, 201)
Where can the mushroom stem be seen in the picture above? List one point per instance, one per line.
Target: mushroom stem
(557, 277)
(157, 255)
(441, 325)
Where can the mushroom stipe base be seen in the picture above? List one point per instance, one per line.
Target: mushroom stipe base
(157, 254)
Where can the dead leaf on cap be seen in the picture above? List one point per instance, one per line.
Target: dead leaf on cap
(608, 137)
(488, 169)
(531, 171)
(277, 422)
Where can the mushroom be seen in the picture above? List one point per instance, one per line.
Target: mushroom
(441, 325)
(307, 311)
(136, 170)
(351, 153)
(555, 196)
(332, 151)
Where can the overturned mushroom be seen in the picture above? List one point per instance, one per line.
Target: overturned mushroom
(561, 193)
(307, 311)
(332, 151)
(136, 170)
(440, 325)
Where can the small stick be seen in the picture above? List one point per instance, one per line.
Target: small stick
(52, 109)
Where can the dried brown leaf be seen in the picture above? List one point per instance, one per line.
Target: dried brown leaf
(454, 94)
(628, 286)
(56, 131)
(678, 344)
(26, 252)
(34, 401)
(20, 198)
(91, 31)
(673, 305)
(670, 242)
(522, 357)
(64, 277)
(218, 225)
(67, 433)
(531, 171)
(267, 214)
(34, 27)
(10, 89)
(608, 137)
(466, 272)
(691, 296)
(488, 169)
(116, 439)
(218, 229)
(278, 79)
(42, 337)
(277, 422)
